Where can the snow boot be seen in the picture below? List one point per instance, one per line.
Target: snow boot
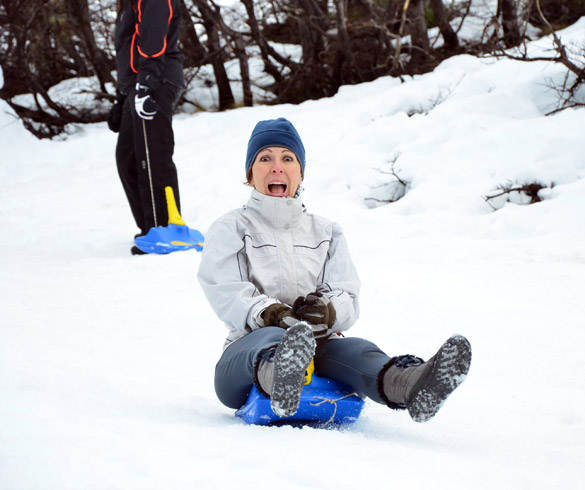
(287, 369)
(264, 374)
(136, 251)
(422, 387)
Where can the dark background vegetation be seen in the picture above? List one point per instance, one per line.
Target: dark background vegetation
(45, 42)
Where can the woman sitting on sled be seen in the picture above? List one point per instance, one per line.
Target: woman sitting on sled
(283, 282)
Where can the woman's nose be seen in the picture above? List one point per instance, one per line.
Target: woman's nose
(277, 168)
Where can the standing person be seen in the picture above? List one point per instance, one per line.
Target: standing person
(283, 282)
(150, 82)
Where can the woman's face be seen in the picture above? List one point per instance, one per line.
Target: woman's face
(276, 172)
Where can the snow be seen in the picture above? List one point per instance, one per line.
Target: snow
(107, 359)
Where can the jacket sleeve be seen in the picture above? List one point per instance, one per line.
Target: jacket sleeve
(223, 275)
(340, 282)
(154, 17)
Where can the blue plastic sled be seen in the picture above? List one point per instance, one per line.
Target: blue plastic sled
(171, 238)
(324, 403)
(174, 237)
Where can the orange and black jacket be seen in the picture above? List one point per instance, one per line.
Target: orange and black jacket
(147, 44)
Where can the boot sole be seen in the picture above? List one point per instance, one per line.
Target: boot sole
(293, 356)
(449, 370)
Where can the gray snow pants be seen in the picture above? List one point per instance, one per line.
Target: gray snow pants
(353, 361)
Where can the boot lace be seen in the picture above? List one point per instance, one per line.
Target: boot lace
(407, 361)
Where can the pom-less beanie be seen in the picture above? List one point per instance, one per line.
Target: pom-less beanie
(275, 132)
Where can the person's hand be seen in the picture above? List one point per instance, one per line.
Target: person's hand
(278, 315)
(115, 115)
(315, 309)
(146, 106)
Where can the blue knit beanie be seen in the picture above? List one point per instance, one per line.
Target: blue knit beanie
(275, 132)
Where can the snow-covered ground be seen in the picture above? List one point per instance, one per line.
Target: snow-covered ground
(107, 359)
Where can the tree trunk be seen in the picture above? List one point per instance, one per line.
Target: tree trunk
(79, 12)
(344, 54)
(245, 71)
(507, 9)
(449, 36)
(310, 79)
(226, 97)
(193, 50)
(265, 49)
(419, 35)
(312, 27)
(225, 94)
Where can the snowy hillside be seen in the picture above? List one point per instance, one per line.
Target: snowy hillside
(107, 359)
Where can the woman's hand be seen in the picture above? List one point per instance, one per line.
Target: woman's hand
(278, 315)
(315, 309)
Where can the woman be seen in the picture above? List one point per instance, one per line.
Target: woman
(284, 284)
(150, 81)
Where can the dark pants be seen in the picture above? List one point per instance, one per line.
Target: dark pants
(353, 361)
(144, 186)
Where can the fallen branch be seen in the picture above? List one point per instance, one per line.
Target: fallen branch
(531, 190)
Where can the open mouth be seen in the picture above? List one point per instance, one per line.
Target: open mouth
(277, 189)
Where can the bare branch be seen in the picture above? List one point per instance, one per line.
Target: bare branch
(531, 190)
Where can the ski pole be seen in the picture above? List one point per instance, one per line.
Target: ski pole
(149, 172)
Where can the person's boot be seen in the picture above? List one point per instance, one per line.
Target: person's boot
(282, 376)
(265, 372)
(136, 251)
(422, 387)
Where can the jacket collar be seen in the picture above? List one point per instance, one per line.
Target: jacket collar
(276, 211)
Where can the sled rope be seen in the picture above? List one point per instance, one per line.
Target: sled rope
(149, 172)
(333, 401)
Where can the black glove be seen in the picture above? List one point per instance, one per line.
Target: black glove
(278, 315)
(146, 106)
(115, 115)
(317, 310)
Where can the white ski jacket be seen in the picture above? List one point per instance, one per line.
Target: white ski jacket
(271, 251)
